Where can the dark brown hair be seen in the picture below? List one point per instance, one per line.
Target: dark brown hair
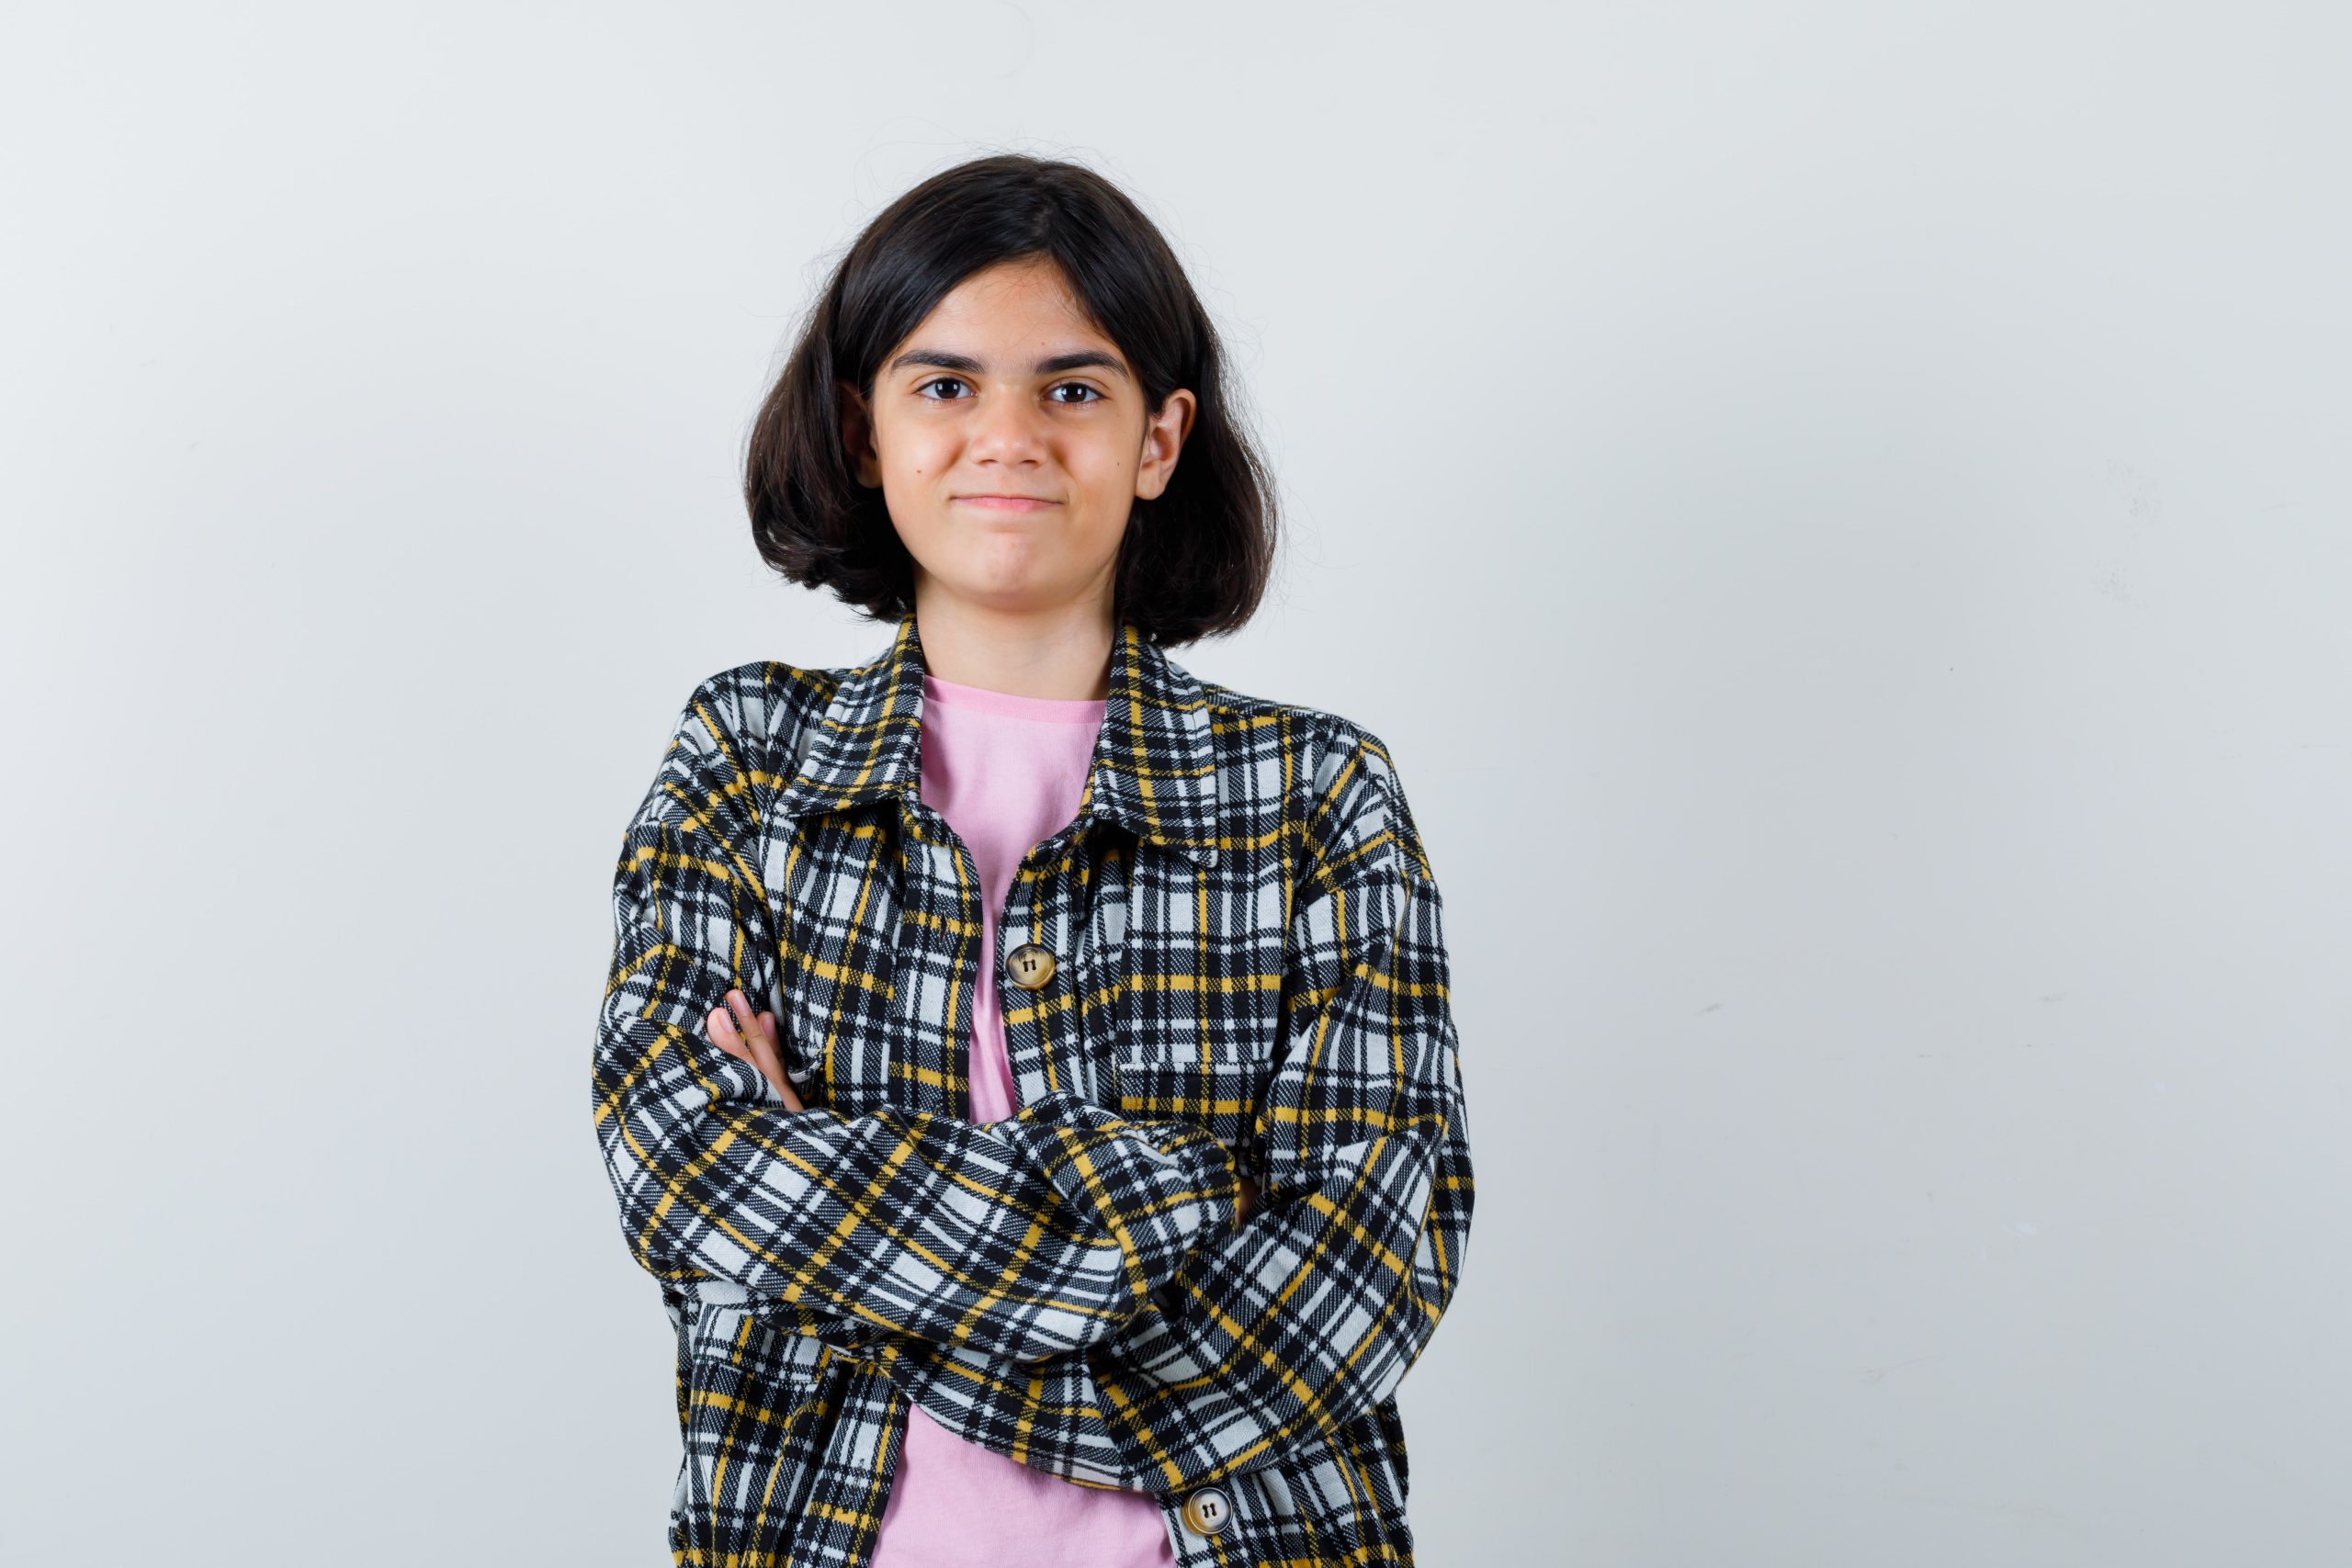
(1194, 560)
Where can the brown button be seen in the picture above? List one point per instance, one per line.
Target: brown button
(1030, 966)
(1205, 1511)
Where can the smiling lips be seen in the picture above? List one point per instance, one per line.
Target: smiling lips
(1006, 502)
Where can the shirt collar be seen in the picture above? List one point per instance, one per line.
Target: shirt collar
(1154, 767)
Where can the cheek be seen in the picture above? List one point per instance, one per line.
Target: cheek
(909, 453)
(911, 471)
(1106, 469)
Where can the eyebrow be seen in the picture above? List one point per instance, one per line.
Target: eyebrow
(1052, 365)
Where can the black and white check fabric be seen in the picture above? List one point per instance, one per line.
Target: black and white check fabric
(1249, 977)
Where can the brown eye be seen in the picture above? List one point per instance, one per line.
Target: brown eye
(940, 381)
(1092, 396)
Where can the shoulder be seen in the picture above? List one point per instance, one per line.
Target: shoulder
(734, 738)
(1350, 796)
(758, 704)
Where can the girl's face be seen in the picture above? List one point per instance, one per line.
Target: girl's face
(1010, 440)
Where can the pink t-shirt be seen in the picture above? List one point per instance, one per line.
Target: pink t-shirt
(1006, 772)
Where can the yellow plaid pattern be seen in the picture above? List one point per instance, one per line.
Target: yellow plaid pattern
(1251, 977)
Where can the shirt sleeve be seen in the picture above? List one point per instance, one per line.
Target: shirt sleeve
(1315, 1309)
(1022, 1239)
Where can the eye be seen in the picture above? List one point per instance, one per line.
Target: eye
(1093, 395)
(939, 381)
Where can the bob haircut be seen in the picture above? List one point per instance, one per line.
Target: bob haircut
(1194, 561)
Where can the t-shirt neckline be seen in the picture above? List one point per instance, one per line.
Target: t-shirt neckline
(1008, 704)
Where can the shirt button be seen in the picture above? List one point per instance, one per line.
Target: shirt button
(1030, 966)
(1205, 1511)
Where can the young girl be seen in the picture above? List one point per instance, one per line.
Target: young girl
(1028, 1068)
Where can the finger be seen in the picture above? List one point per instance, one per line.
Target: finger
(738, 1013)
(746, 1029)
(730, 1040)
(755, 1033)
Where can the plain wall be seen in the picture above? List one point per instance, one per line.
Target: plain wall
(1840, 512)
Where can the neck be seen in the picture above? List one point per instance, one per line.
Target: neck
(1061, 653)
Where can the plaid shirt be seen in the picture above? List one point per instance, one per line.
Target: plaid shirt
(1248, 976)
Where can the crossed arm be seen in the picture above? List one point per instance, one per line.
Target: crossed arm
(749, 1037)
(1070, 1277)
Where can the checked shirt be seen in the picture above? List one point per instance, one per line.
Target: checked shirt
(1250, 976)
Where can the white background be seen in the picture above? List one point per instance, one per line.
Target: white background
(1839, 511)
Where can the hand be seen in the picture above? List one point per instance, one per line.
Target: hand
(734, 1031)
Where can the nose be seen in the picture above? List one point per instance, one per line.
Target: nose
(1007, 430)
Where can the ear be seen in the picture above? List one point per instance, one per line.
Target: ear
(1163, 437)
(858, 437)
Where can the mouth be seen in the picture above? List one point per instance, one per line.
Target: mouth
(1006, 502)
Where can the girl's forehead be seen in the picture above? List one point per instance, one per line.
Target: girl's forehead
(1010, 290)
(1012, 306)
